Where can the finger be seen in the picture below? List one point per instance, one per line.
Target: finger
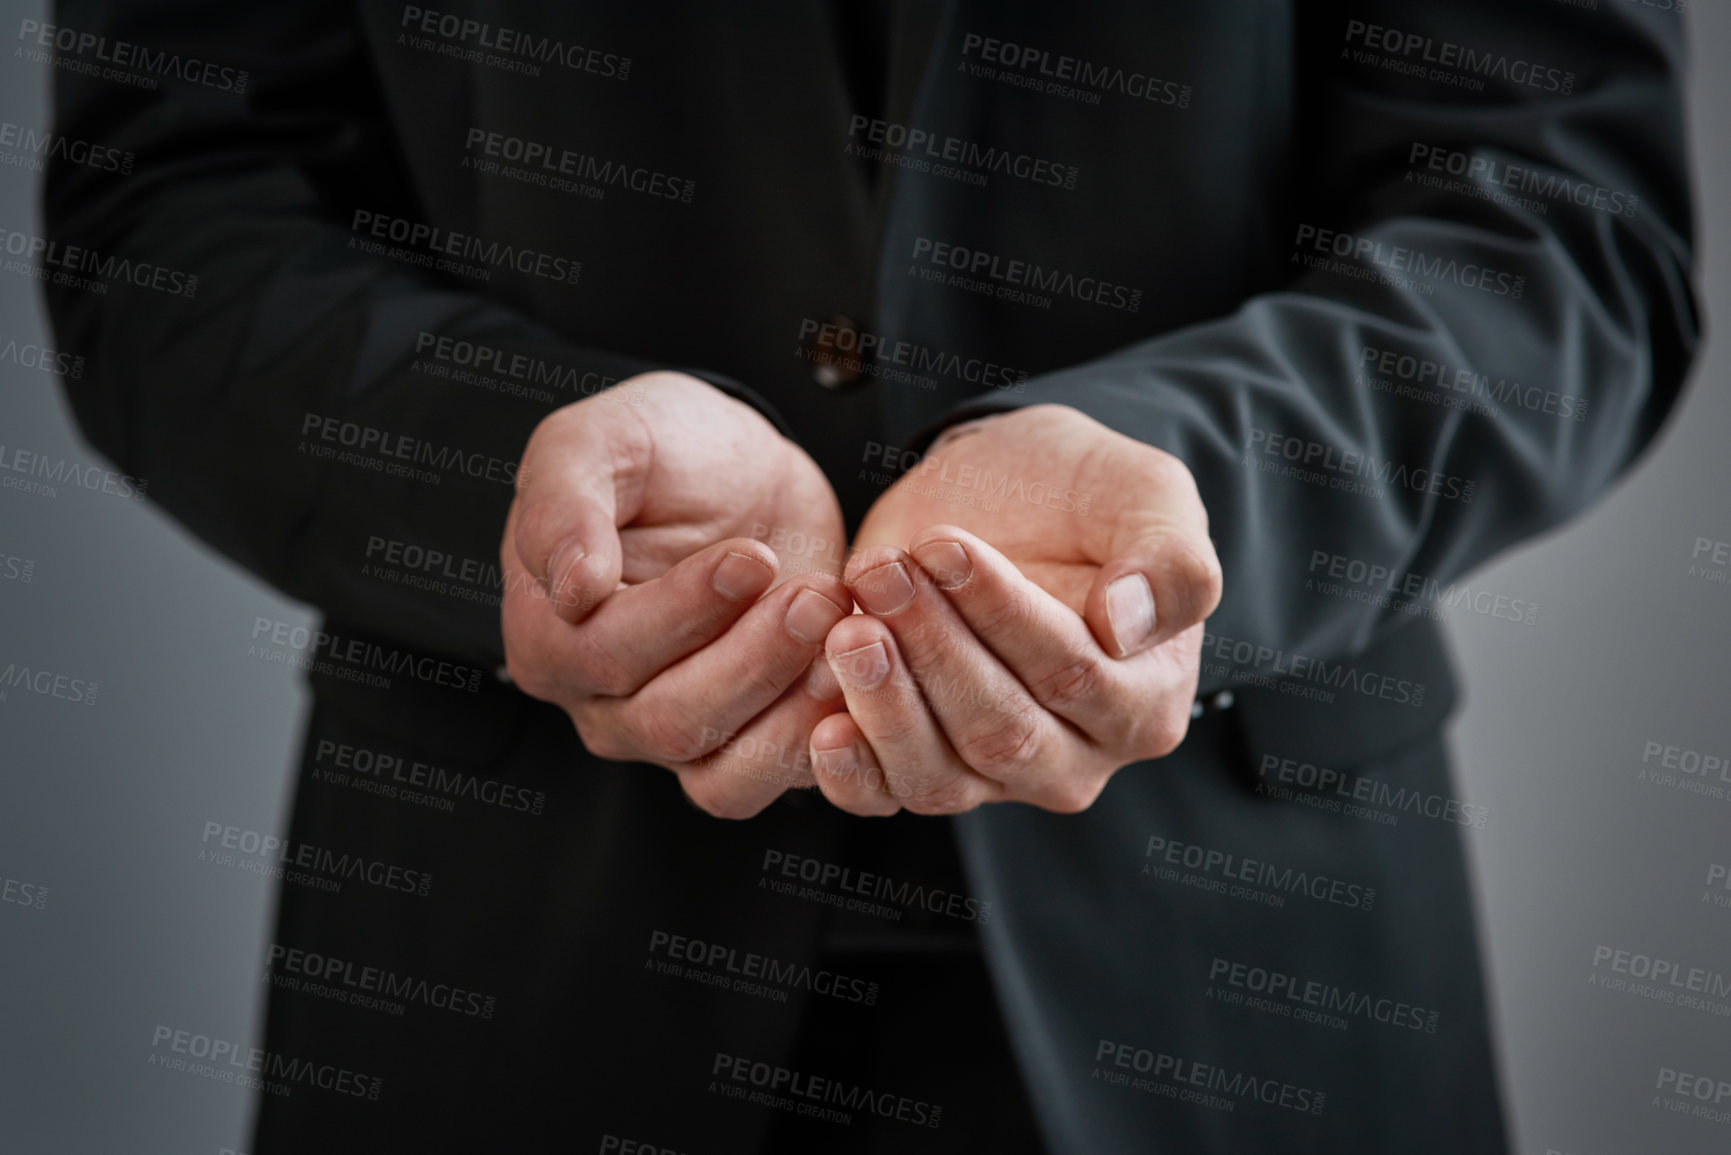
(581, 481)
(1159, 574)
(991, 721)
(688, 709)
(530, 625)
(770, 755)
(1160, 585)
(1045, 643)
(891, 713)
(847, 769)
(641, 630)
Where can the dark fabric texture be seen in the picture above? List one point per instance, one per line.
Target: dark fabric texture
(1185, 304)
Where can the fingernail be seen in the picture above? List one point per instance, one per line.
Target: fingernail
(565, 555)
(842, 763)
(739, 577)
(886, 589)
(1130, 612)
(811, 615)
(947, 562)
(863, 668)
(821, 683)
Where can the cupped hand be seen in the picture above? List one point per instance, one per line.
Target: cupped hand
(1034, 592)
(639, 600)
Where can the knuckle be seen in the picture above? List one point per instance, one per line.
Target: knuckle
(926, 648)
(665, 736)
(1003, 743)
(1072, 685)
(748, 760)
(765, 681)
(1072, 793)
(709, 792)
(602, 741)
(1198, 568)
(1161, 732)
(1170, 475)
(599, 665)
(952, 795)
(900, 722)
(606, 676)
(1051, 413)
(998, 612)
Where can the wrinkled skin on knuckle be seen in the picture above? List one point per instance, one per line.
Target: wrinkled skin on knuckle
(1073, 685)
(760, 684)
(1002, 743)
(609, 680)
(602, 671)
(1001, 613)
(902, 723)
(952, 796)
(601, 739)
(667, 736)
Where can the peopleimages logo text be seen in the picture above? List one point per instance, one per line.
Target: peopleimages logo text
(1461, 59)
(1016, 278)
(1062, 72)
(1400, 259)
(1176, 1070)
(231, 1059)
(979, 159)
(1245, 656)
(70, 42)
(32, 145)
(465, 247)
(106, 267)
(1351, 463)
(473, 40)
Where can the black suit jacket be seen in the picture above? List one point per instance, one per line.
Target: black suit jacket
(1402, 284)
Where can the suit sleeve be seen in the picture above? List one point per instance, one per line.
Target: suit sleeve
(251, 363)
(1460, 359)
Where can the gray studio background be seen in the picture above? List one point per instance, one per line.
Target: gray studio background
(105, 805)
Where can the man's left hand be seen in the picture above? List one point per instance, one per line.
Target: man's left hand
(1033, 668)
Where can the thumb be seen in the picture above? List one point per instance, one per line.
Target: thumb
(579, 558)
(567, 520)
(1159, 585)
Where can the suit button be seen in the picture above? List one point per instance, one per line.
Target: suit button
(834, 353)
(1220, 701)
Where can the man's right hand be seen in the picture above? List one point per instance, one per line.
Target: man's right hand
(635, 587)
